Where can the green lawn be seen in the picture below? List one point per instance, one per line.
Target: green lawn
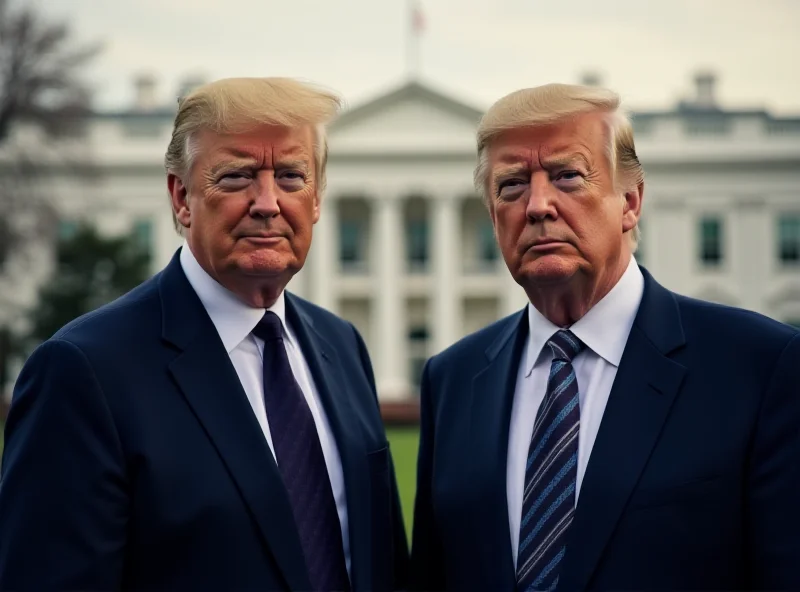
(404, 443)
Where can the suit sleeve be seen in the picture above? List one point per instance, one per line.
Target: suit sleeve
(63, 500)
(427, 557)
(399, 537)
(774, 480)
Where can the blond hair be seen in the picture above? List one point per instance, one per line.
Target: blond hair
(237, 105)
(553, 103)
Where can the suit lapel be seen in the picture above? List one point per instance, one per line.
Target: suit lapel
(331, 385)
(492, 399)
(644, 390)
(211, 387)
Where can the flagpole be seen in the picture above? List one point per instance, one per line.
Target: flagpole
(412, 39)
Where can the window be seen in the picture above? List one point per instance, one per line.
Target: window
(417, 243)
(418, 335)
(351, 252)
(711, 241)
(789, 239)
(783, 126)
(67, 229)
(707, 126)
(487, 246)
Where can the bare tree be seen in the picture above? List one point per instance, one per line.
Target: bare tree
(40, 87)
(40, 71)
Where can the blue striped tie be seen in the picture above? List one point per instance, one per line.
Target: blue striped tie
(548, 502)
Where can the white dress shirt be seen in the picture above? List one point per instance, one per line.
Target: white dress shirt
(235, 321)
(604, 330)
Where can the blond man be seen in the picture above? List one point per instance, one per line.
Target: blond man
(210, 430)
(612, 435)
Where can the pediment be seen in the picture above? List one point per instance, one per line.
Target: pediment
(413, 118)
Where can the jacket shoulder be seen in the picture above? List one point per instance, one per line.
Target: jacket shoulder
(116, 321)
(733, 327)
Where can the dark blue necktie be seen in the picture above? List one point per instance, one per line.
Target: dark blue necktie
(301, 463)
(548, 502)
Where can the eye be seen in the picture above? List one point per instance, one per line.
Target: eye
(292, 179)
(568, 176)
(508, 187)
(509, 183)
(234, 179)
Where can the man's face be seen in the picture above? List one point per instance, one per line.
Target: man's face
(553, 203)
(250, 203)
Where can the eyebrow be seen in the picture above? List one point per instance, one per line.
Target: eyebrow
(232, 165)
(244, 163)
(292, 163)
(509, 171)
(566, 159)
(514, 165)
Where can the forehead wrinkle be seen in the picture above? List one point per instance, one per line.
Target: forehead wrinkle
(292, 155)
(560, 160)
(292, 163)
(238, 154)
(511, 160)
(236, 163)
(511, 169)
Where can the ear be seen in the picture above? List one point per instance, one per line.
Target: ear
(316, 207)
(632, 209)
(180, 200)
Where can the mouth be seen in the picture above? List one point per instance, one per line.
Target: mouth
(546, 244)
(264, 239)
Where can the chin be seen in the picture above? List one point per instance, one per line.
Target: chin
(265, 264)
(548, 270)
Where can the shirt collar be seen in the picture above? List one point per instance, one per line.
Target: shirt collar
(604, 329)
(233, 319)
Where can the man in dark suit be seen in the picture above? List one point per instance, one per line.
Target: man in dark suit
(209, 430)
(612, 435)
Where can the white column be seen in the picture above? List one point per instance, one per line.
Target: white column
(323, 257)
(446, 301)
(390, 327)
(752, 252)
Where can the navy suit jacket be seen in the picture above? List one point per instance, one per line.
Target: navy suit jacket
(133, 459)
(693, 481)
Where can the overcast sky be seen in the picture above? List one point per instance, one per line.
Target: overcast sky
(475, 50)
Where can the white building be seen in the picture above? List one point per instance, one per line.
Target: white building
(404, 248)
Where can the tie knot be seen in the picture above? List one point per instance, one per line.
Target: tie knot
(269, 327)
(565, 346)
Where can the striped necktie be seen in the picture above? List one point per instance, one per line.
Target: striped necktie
(548, 502)
(301, 463)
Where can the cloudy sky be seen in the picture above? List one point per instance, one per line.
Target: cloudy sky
(477, 50)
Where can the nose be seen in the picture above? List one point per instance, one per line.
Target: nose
(265, 202)
(541, 198)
